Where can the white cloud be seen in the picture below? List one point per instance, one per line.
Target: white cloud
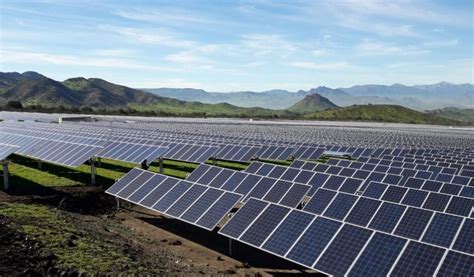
(322, 66)
(375, 48)
(159, 36)
(186, 57)
(319, 53)
(9, 56)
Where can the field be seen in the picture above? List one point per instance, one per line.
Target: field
(54, 222)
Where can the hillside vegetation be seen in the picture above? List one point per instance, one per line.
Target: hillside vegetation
(464, 115)
(312, 103)
(380, 113)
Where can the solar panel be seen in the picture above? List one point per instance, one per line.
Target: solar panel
(387, 217)
(363, 211)
(124, 181)
(313, 241)
(7, 150)
(243, 218)
(344, 249)
(413, 223)
(319, 202)
(289, 230)
(442, 230)
(264, 225)
(418, 259)
(218, 210)
(340, 206)
(464, 241)
(378, 256)
(457, 264)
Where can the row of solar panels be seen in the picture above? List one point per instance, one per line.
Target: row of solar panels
(199, 205)
(338, 247)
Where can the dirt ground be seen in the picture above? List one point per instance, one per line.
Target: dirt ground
(162, 245)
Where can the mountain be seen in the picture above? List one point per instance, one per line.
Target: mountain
(424, 97)
(380, 113)
(464, 115)
(33, 89)
(312, 103)
(9, 78)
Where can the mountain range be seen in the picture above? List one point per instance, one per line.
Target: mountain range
(31, 91)
(422, 97)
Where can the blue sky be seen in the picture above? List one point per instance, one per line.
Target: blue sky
(241, 45)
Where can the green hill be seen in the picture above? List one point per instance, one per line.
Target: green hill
(380, 113)
(94, 94)
(464, 115)
(312, 103)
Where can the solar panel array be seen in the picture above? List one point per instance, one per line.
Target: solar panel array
(6, 150)
(405, 206)
(199, 205)
(250, 185)
(358, 241)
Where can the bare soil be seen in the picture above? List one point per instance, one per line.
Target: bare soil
(162, 245)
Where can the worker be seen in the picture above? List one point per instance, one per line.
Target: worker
(145, 165)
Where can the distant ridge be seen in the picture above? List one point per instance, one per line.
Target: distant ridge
(312, 103)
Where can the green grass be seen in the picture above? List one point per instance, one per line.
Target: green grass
(55, 230)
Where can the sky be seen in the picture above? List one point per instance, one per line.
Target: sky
(241, 45)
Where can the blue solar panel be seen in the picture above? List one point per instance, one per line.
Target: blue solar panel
(413, 223)
(350, 185)
(334, 182)
(243, 218)
(394, 194)
(295, 195)
(218, 210)
(436, 202)
(135, 184)
(313, 241)
(387, 217)
(209, 175)
(375, 190)
(340, 206)
(277, 172)
(442, 229)
(253, 167)
(363, 211)
(460, 206)
(166, 201)
(467, 192)
(432, 185)
(344, 249)
(464, 241)
(186, 200)
(378, 256)
(304, 177)
(125, 180)
(288, 232)
(265, 169)
(414, 197)
(261, 188)
(233, 182)
(290, 174)
(151, 184)
(451, 189)
(319, 201)
(201, 205)
(418, 259)
(198, 173)
(248, 184)
(264, 224)
(278, 191)
(158, 192)
(457, 264)
(222, 178)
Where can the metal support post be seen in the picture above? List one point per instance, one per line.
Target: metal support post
(99, 162)
(40, 165)
(214, 161)
(6, 184)
(230, 247)
(160, 161)
(93, 170)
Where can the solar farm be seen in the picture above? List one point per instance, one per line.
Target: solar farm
(338, 198)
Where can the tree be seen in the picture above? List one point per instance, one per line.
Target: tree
(15, 105)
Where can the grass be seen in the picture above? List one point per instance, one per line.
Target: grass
(74, 246)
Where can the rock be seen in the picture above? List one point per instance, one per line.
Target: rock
(219, 258)
(175, 242)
